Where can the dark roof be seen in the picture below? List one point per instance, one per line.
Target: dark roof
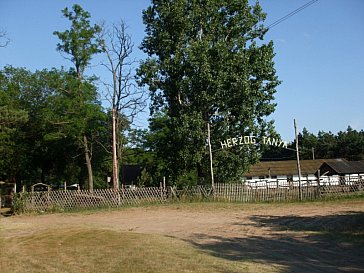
(130, 173)
(344, 167)
(289, 167)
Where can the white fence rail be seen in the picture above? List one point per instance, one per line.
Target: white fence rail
(305, 182)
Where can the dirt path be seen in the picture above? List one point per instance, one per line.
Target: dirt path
(309, 237)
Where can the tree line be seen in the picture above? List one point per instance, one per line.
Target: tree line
(209, 74)
(53, 126)
(347, 144)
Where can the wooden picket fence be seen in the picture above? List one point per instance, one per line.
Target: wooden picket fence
(243, 193)
(77, 199)
(194, 193)
(273, 191)
(239, 192)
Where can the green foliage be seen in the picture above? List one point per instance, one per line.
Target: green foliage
(140, 151)
(42, 121)
(144, 179)
(187, 179)
(347, 144)
(306, 139)
(206, 65)
(51, 120)
(10, 122)
(350, 144)
(19, 202)
(79, 41)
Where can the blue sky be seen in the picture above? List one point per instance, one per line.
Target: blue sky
(319, 53)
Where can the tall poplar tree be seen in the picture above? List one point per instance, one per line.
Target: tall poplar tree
(208, 64)
(79, 43)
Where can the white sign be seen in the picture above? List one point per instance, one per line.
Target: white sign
(249, 140)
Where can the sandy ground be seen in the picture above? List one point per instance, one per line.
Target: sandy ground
(308, 237)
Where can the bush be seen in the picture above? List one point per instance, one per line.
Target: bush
(18, 203)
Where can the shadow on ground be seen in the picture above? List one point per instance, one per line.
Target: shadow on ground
(350, 223)
(333, 243)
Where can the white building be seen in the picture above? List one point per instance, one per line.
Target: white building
(277, 174)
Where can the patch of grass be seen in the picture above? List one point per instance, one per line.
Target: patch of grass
(97, 250)
(347, 196)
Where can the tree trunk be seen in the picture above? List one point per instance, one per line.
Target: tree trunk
(88, 164)
(115, 168)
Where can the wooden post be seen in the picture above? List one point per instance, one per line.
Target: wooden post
(318, 182)
(161, 189)
(115, 167)
(164, 188)
(210, 153)
(298, 160)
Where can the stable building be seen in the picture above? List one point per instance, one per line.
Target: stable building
(277, 174)
(286, 170)
(341, 172)
(342, 168)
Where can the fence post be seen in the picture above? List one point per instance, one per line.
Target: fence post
(318, 183)
(161, 189)
(210, 154)
(298, 160)
(164, 189)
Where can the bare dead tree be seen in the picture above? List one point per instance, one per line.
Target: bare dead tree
(4, 40)
(125, 97)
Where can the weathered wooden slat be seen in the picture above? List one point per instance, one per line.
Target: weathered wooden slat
(238, 192)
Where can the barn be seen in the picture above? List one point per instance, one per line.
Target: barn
(285, 173)
(340, 172)
(342, 168)
(286, 169)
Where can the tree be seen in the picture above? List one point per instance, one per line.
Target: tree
(79, 42)
(350, 144)
(12, 117)
(4, 40)
(125, 98)
(326, 145)
(72, 117)
(347, 144)
(42, 124)
(308, 144)
(207, 64)
(26, 92)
